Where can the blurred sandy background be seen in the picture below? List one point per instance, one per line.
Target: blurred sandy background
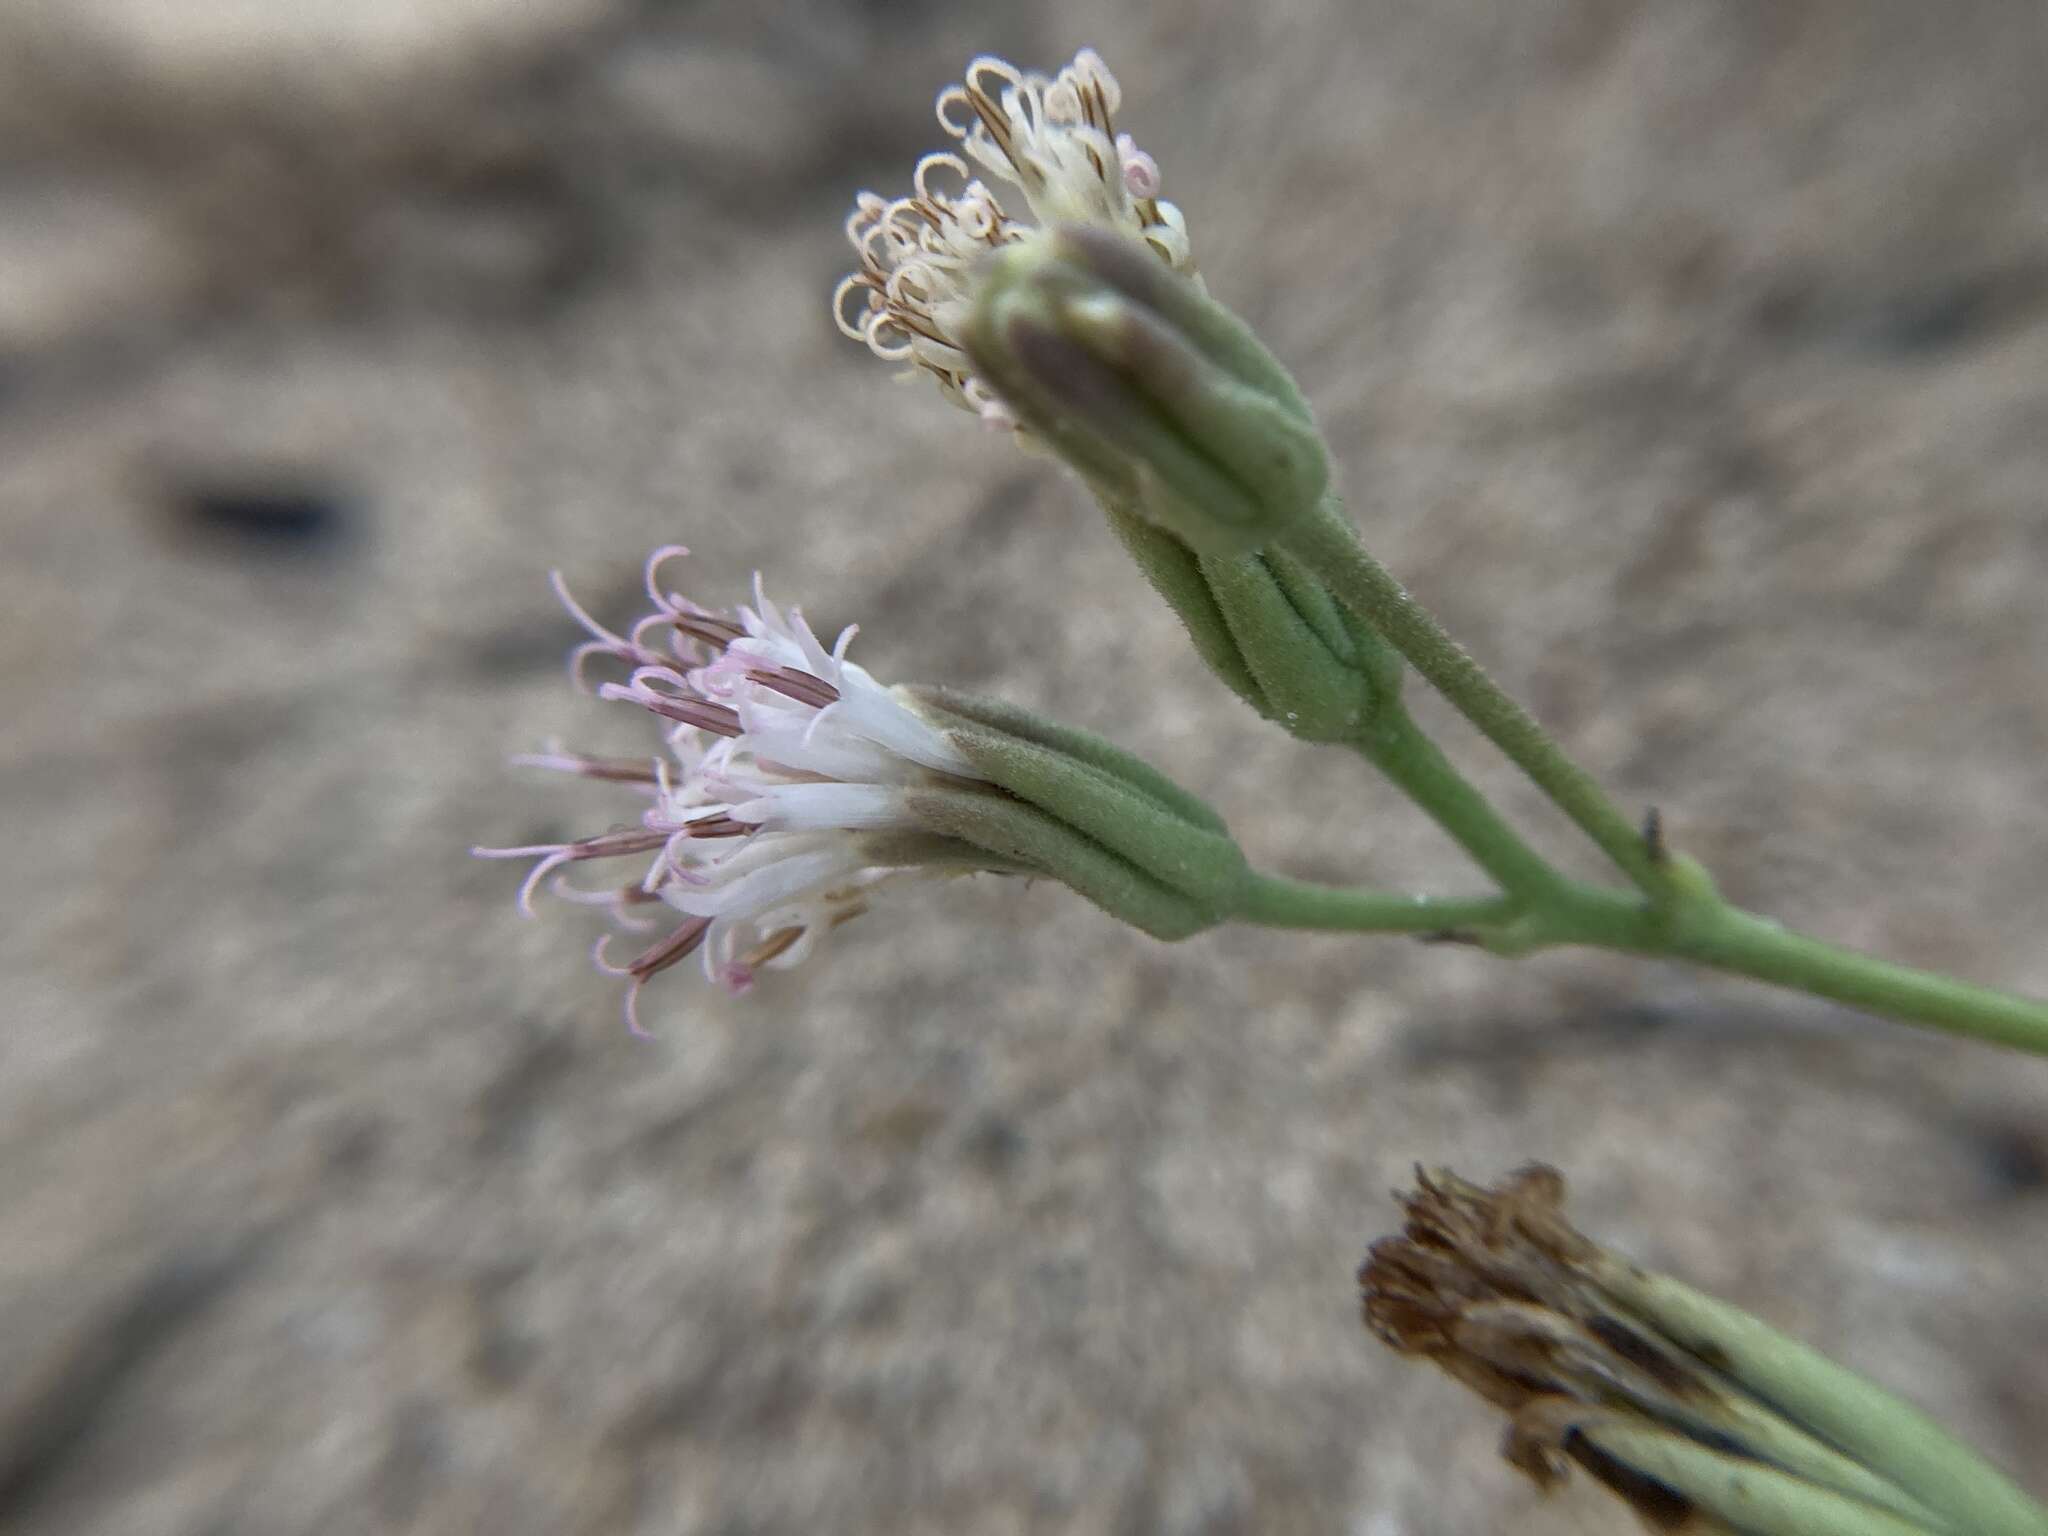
(1691, 357)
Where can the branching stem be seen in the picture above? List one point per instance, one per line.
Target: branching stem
(1327, 544)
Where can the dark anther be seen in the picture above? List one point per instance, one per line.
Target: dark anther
(713, 631)
(719, 826)
(793, 683)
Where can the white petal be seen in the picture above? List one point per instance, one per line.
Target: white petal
(874, 714)
(774, 884)
(813, 807)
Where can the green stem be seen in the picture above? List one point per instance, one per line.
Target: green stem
(1419, 769)
(1273, 901)
(1683, 918)
(1701, 928)
(1327, 543)
(1730, 939)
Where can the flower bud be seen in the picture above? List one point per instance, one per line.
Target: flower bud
(1152, 390)
(1072, 806)
(1320, 673)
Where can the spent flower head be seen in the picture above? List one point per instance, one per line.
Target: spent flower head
(1699, 1415)
(781, 805)
(1050, 141)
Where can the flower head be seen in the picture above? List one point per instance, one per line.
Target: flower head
(780, 806)
(1694, 1412)
(1053, 142)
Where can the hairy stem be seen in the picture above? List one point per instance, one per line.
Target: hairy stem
(1418, 768)
(1273, 901)
(1729, 939)
(1702, 929)
(1329, 546)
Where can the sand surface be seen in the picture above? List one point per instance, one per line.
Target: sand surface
(1690, 358)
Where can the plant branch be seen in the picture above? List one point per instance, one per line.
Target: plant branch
(1418, 768)
(1274, 901)
(1327, 543)
(1727, 938)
